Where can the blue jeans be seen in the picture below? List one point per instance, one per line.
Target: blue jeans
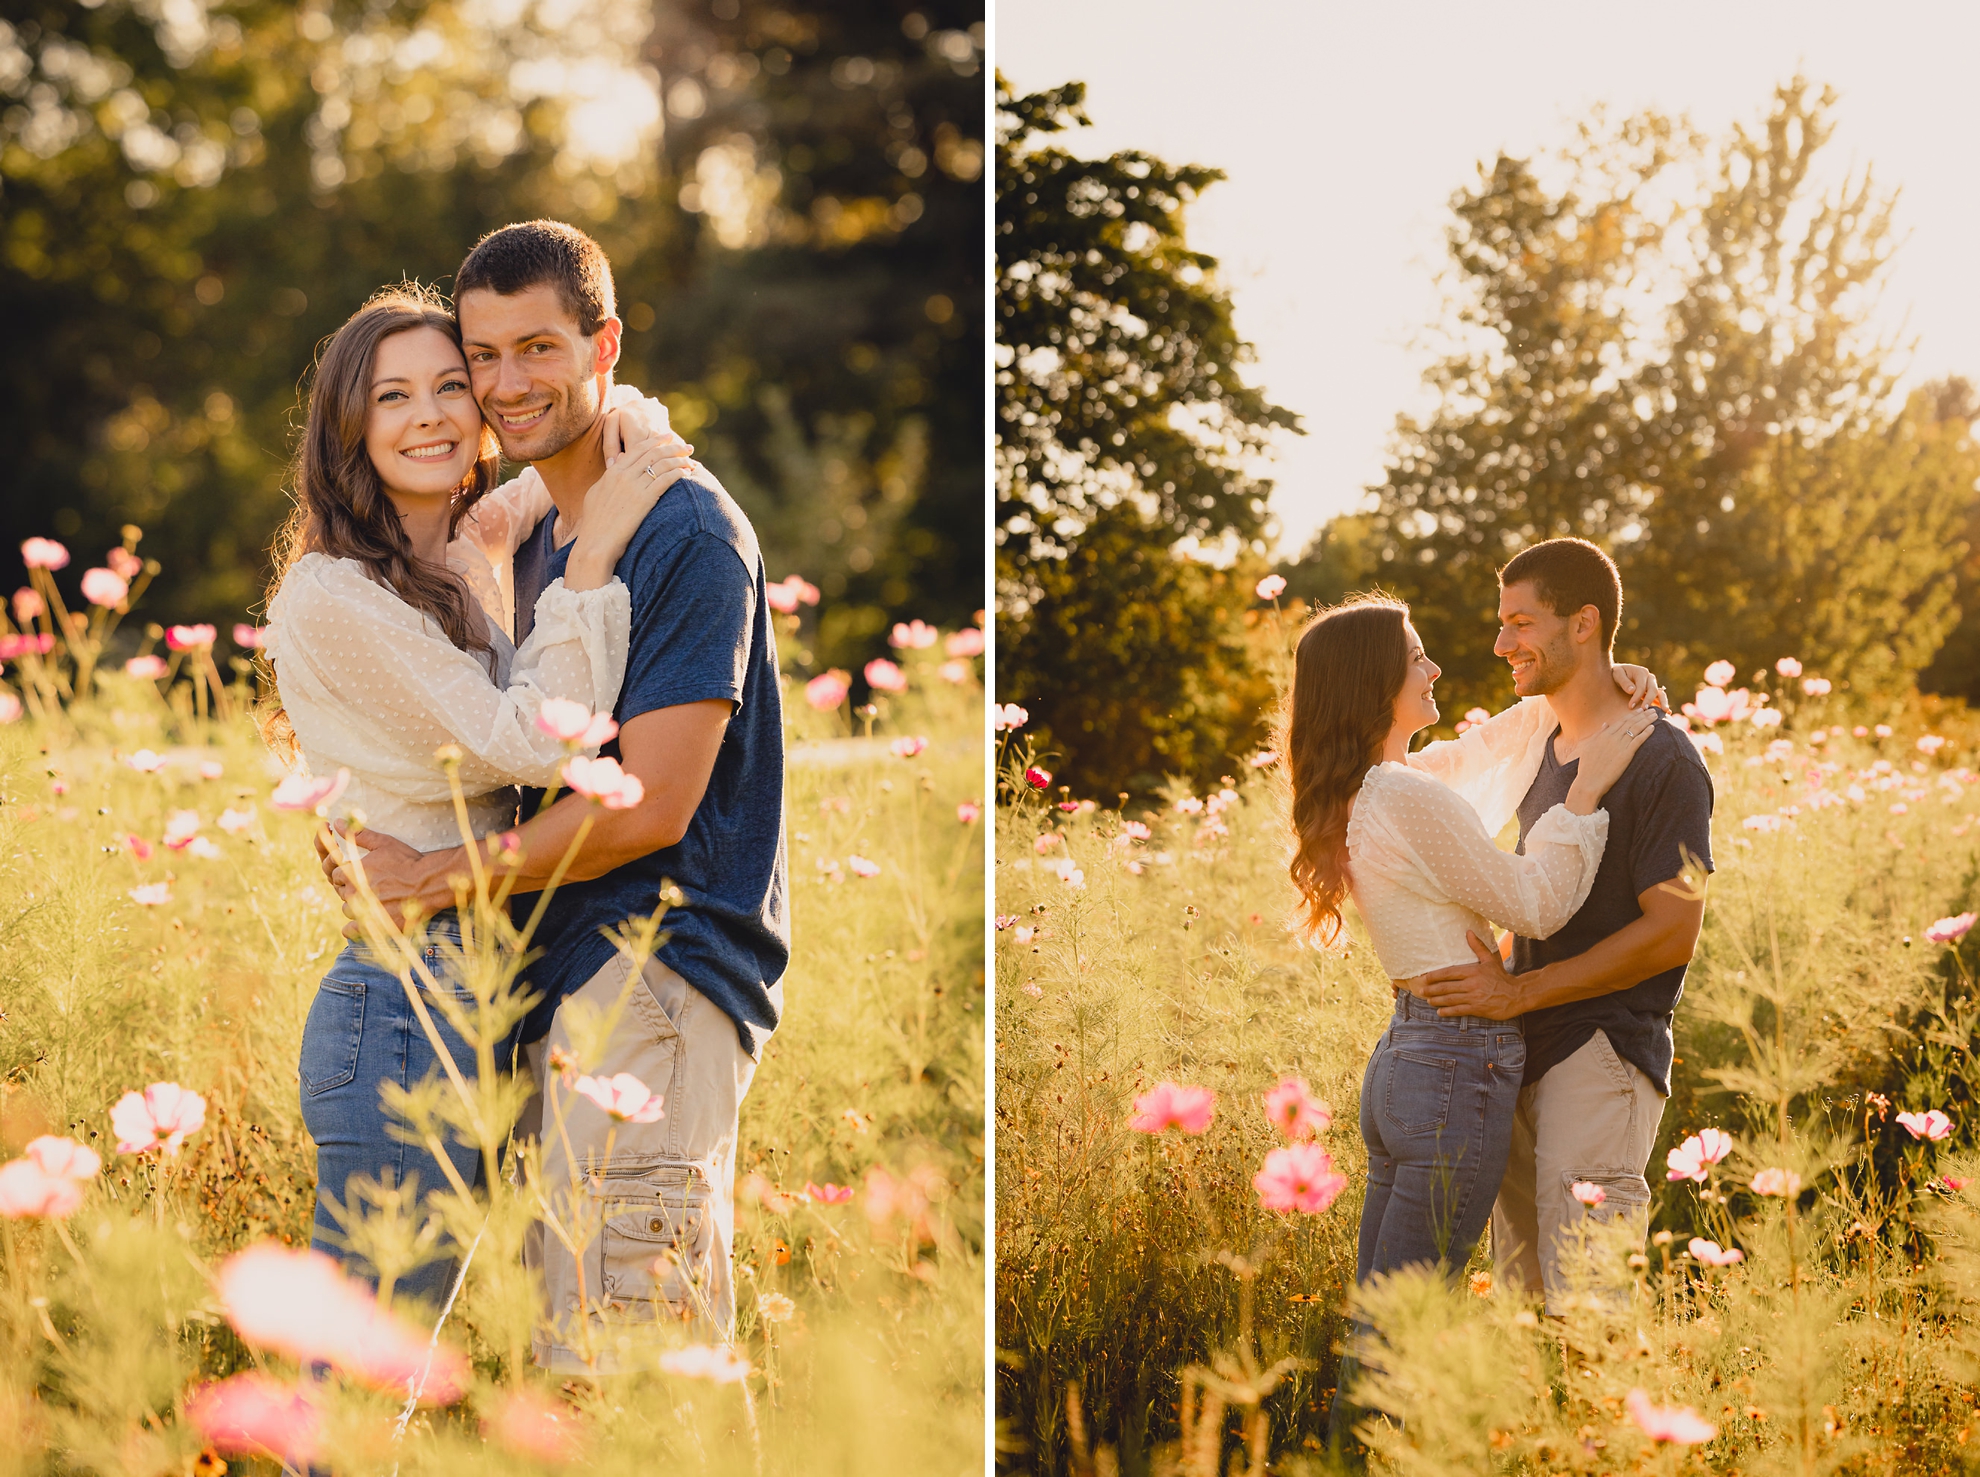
(1437, 1104)
(362, 1033)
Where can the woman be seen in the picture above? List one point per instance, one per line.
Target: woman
(389, 640)
(1410, 837)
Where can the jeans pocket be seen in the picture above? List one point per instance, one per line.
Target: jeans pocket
(657, 1244)
(332, 1035)
(1417, 1098)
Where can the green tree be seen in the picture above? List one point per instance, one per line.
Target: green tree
(1124, 426)
(1340, 559)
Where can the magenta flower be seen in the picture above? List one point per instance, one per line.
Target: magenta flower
(705, 1362)
(146, 668)
(907, 748)
(1590, 1195)
(967, 642)
(44, 553)
(1678, 1424)
(300, 792)
(190, 638)
(1037, 778)
(257, 1415)
(547, 1430)
(623, 1097)
(103, 587)
(159, 1118)
(1295, 1111)
(10, 707)
(1169, 1104)
(1931, 1124)
(883, 676)
(826, 691)
(139, 847)
(250, 638)
(915, 635)
(602, 780)
(1783, 1182)
(827, 1193)
(1271, 587)
(28, 1191)
(1951, 930)
(1954, 1183)
(1299, 1177)
(969, 812)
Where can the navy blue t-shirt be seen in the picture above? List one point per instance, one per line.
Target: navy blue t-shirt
(700, 631)
(1659, 808)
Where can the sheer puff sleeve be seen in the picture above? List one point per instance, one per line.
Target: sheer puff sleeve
(1492, 764)
(1424, 835)
(373, 684)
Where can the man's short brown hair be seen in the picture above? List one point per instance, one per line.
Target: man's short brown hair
(528, 255)
(1568, 573)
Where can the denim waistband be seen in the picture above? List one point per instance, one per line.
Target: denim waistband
(1411, 1007)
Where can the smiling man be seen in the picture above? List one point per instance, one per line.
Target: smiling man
(701, 727)
(1597, 998)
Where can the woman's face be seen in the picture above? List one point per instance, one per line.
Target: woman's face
(1416, 707)
(422, 427)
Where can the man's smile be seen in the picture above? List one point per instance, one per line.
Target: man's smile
(522, 420)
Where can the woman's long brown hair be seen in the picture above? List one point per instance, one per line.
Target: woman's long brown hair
(341, 506)
(1350, 667)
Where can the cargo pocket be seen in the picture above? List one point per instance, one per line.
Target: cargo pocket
(1417, 1098)
(1625, 1196)
(331, 1036)
(657, 1244)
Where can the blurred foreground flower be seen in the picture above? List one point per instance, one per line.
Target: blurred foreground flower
(1720, 673)
(969, 812)
(916, 635)
(861, 867)
(250, 638)
(1678, 1424)
(533, 1426)
(10, 707)
(1299, 1177)
(29, 1191)
(705, 1362)
(152, 894)
(1787, 666)
(190, 638)
(159, 1118)
(1170, 1104)
(1295, 1111)
(146, 668)
(1782, 1182)
(1931, 1124)
(300, 792)
(623, 1096)
(257, 1415)
(907, 748)
(602, 780)
(883, 676)
(786, 594)
(1815, 686)
(65, 1158)
(44, 553)
(1009, 717)
(1271, 587)
(828, 1193)
(826, 691)
(1951, 930)
(573, 723)
(145, 761)
(965, 643)
(1589, 1194)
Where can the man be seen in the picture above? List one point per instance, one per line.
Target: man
(701, 727)
(1597, 999)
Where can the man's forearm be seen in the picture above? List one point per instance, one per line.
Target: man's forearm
(1632, 954)
(614, 837)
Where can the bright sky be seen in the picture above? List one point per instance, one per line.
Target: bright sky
(1345, 128)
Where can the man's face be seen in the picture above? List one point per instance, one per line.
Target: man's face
(1537, 643)
(539, 381)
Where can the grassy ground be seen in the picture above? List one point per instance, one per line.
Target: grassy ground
(874, 1080)
(1140, 1288)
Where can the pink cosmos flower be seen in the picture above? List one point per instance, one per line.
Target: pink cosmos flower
(1715, 705)
(1767, 718)
(1299, 1177)
(145, 761)
(705, 1362)
(861, 867)
(44, 553)
(1689, 1159)
(969, 812)
(1264, 758)
(1954, 1183)
(573, 723)
(1931, 743)
(123, 563)
(139, 847)
(1931, 1124)
(65, 1158)
(211, 769)
(1009, 717)
(883, 676)
(10, 707)
(1295, 1111)
(826, 691)
(1713, 1255)
(1951, 930)
(1169, 1104)
(159, 1118)
(1037, 778)
(1271, 587)
(1787, 666)
(1782, 1182)
(29, 1192)
(1816, 686)
(27, 605)
(146, 668)
(250, 638)
(624, 1097)
(602, 780)
(915, 635)
(907, 748)
(1006, 920)
(1678, 1424)
(180, 828)
(1719, 674)
(953, 671)
(152, 894)
(1882, 730)
(965, 643)
(257, 1415)
(828, 1193)
(233, 822)
(1590, 1195)
(786, 594)
(547, 1430)
(102, 587)
(202, 848)
(190, 638)
(299, 1304)
(300, 792)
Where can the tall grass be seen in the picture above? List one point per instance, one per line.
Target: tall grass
(1134, 1271)
(110, 1320)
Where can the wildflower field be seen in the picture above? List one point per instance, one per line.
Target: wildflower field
(163, 927)
(1176, 1217)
